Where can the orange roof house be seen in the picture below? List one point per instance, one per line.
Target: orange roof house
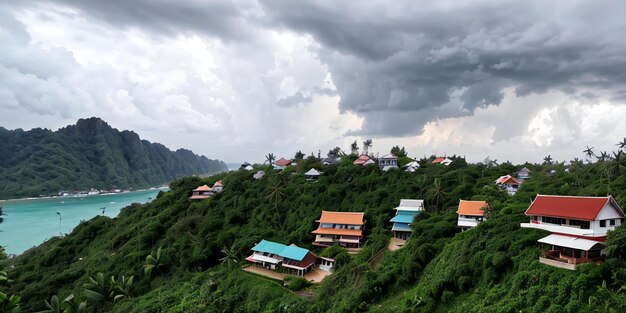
(579, 226)
(471, 213)
(218, 186)
(508, 183)
(283, 162)
(361, 160)
(201, 192)
(340, 228)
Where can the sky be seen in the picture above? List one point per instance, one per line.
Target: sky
(512, 80)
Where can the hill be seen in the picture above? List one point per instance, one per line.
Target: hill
(491, 268)
(90, 154)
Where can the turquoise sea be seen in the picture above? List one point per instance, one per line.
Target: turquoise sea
(28, 223)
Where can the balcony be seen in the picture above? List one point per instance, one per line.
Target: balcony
(467, 222)
(563, 260)
(562, 229)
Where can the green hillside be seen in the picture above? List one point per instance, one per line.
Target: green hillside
(90, 154)
(492, 268)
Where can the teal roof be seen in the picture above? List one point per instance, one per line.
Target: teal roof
(294, 253)
(269, 247)
(401, 218)
(290, 252)
(401, 227)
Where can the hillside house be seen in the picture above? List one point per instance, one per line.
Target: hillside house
(282, 162)
(362, 159)
(312, 174)
(508, 183)
(523, 174)
(388, 162)
(217, 187)
(442, 160)
(412, 166)
(405, 215)
(201, 192)
(340, 228)
(258, 175)
(279, 257)
(578, 225)
(471, 213)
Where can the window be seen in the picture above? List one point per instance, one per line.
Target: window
(603, 223)
(581, 224)
(612, 222)
(552, 220)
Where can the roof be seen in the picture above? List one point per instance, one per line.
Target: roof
(411, 203)
(404, 218)
(569, 242)
(292, 251)
(412, 164)
(312, 172)
(580, 208)
(389, 156)
(388, 167)
(218, 184)
(438, 160)
(259, 174)
(282, 162)
(368, 162)
(203, 188)
(524, 169)
(507, 180)
(471, 207)
(350, 218)
(337, 231)
(401, 227)
(361, 160)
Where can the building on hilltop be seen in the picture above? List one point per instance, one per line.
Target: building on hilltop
(405, 215)
(508, 183)
(282, 162)
(340, 228)
(471, 213)
(387, 162)
(277, 256)
(442, 160)
(201, 192)
(523, 174)
(312, 174)
(362, 159)
(578, 225)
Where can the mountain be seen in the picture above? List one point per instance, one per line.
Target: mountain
(491, 268)
(90, 154)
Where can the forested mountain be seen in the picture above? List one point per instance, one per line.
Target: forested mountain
(195, 248)
(90, 154)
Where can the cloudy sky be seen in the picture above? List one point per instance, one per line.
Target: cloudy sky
(513, 80)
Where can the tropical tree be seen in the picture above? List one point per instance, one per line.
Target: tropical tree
(354, 148)
(589, 152)
(276, 195)
(120, 289)
(436, 193)
(618, 163)
(397, 151)
(299, 155)
(9, 304)
(604, 156)
(230, 257)
(547, 160)
(367, 144)
(270, 158)
(335, 152)
(622, 144)
(154, 262)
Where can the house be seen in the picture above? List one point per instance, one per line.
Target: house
(329, 160)
(387, 162)
(279, 257)
(248, 167)
(508, 183)
(412, 166)
(369, 162)
(405, 215)
(312, 174)
(524, 173)
(258, 175)
(201, 192)
(340, 228)
(578, 225)
(282, 162)
(217, 187)
(442, 160)
(471, 213)
(361, 160)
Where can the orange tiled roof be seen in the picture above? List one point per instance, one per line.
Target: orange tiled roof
(438, 160)
(471, 207)
(282, 162)
(341, 232)
(203, 188)
(218, 184)
(508, 180)
(350, 218)
(361, 160)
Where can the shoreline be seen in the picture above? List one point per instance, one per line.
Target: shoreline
(82, 196)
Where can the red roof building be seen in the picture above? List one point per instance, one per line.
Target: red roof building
(578, 225)
(283, 162)
(361, 160)
(340, 228)
(201, 192)
(508, 183)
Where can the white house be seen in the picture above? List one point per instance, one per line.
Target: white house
(405, 215)
(524, 173)
(578, 225)
(258, 175)
(312, 174)
(471, 213)
(442, 160)
(508, 183)
(387, 162)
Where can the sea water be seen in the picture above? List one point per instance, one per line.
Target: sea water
(28, 223)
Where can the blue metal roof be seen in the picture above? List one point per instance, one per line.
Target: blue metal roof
(401, 227)
(294, 253)
(291, 252)
(403, 218)
(269, 247)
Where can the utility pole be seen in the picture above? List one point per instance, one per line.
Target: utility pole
(59, 214)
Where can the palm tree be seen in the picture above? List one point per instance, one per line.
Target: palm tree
(547, 160)
(366, 145)
(53, 306)
(603, 156)
(153, 262)
(230, 257)
(618, 162)
(589, 152)
(270, 158)
(276, 195)
(121, 289)
(436, 193)
(622, 144)
(354, 148)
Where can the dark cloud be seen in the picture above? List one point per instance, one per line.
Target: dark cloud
(413, 57)
(300, 98)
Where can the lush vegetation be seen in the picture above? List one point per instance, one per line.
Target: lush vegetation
(88, 155)
(185, 256)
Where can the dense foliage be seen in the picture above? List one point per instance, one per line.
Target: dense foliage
(88, 155)
(194, 249)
